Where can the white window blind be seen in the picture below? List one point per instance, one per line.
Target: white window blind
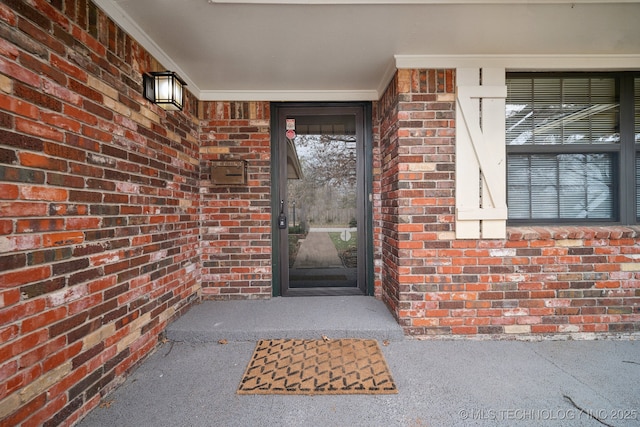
(565, 186)
(562, 111)
(563, 143)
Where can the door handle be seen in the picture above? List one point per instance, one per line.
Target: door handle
(282, 218)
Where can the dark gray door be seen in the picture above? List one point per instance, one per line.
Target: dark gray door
(321, 200)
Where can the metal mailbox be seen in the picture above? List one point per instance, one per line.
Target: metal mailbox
(228, 172)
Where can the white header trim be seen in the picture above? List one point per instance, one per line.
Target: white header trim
(394, 2)
(289, 95)
(523, 62)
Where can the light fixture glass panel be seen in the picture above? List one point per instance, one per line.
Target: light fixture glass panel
(163, 88)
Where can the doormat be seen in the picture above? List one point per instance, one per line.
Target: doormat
(341, 366)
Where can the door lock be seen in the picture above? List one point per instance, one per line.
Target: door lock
(282, 218)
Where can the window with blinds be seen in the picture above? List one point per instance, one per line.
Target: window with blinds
(562, 111)
(566, 148)
(560, 186)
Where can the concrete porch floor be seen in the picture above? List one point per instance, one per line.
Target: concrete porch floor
(295, 317)
(191, 380)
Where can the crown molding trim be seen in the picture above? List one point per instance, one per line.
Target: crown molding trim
(289, 95)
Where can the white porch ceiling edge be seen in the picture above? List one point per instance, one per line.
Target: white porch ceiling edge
(396, 2)
(523, 62)
(508, 62)
(349, 50)
(288, 95)
(302, 95)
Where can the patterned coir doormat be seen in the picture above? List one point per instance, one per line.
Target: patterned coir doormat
(341, 366)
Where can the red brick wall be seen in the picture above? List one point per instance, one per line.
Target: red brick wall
(236, 220)
(98, 210)
(386, 182)
(110, 225)
(549, 280)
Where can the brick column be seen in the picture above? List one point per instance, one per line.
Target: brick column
(426, 132)
(417, 150)
(386, 208)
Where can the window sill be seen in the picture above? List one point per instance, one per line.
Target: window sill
(614, 232)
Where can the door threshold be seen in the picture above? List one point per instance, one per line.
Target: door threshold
(325, 291)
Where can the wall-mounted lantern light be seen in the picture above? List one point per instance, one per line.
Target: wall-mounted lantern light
(164, 88)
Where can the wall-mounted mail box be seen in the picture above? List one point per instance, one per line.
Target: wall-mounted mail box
(228, 172)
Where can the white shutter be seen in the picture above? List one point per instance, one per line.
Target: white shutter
(481, 209)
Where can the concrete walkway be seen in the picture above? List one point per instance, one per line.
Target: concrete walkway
(191, 380)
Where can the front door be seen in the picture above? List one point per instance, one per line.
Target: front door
(321, 202)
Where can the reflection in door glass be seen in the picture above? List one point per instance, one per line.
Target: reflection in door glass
(322, 207)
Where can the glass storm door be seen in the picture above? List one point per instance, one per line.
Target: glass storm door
(321, 199)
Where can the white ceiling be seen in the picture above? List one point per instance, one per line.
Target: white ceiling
(349, 49)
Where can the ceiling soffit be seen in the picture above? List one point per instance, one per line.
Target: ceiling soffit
(347, 50)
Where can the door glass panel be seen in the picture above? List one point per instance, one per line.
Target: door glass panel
(322, 202)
